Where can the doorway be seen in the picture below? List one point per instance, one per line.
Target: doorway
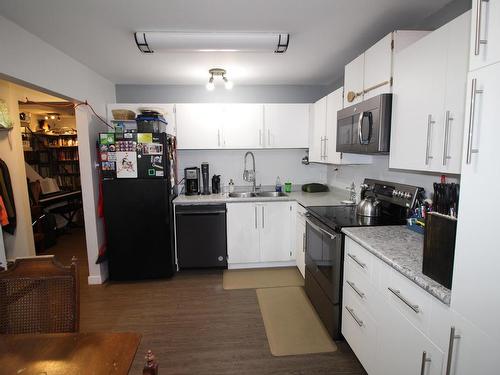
(45, 140)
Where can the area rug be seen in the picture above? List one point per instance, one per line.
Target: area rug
(262, 278)
(291, 323)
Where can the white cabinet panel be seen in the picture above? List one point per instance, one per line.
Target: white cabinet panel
(276, 232)
(242, 124)
(317, 131)
(400, 347)
(199, 126)
(300, 238)
(243, 233)
(286, 125)
(474, 352)
(487, 30)
(353, 79)
(477, 255)
(378, 67)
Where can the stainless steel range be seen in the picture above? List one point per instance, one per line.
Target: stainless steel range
(325, 242)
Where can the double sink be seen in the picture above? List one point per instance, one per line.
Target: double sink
(262, 194)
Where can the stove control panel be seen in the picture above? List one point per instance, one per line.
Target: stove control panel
(400, 194)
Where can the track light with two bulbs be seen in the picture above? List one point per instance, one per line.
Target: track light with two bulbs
(218, 72)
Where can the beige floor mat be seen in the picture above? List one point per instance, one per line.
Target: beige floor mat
(292, 325)
(262, 278)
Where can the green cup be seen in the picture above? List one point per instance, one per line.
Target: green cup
(288, 187)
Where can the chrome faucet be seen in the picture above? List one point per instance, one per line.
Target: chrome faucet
(249, 175)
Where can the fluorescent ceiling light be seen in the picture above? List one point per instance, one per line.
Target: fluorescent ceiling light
(159, 41)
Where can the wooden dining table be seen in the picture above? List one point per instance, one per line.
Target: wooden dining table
(68, 353)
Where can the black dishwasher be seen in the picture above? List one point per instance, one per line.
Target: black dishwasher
(201, 236)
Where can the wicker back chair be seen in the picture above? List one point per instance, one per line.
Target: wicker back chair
(39, 295)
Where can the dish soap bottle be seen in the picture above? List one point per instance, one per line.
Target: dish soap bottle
(278, 184)
(231, 185)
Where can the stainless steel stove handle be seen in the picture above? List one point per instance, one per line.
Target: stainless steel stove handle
(318, 228)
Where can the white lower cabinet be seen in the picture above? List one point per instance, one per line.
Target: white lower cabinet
(259, 234)
(388, 336)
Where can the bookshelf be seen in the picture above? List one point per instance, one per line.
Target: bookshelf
(55, 156)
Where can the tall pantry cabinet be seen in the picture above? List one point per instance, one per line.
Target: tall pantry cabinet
(475, 299)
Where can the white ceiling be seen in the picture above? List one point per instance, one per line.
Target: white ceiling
(325, 34)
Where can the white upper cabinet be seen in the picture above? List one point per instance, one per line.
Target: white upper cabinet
(378, 67)
(371, 73)
(323, 135)
(199, 126)
(485, 35)
(243, 125)
(317, 131)
(286, 125)
(429, 92)
(353, 79)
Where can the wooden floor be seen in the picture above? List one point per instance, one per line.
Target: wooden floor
(192, 324)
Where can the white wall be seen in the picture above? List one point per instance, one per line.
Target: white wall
(269, 164)
(55, 72)
(342, 176)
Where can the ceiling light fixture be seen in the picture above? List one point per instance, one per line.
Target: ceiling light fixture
(218, 72)
(159, 41)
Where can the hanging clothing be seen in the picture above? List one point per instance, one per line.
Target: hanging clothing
(7, 198)
(4, 219)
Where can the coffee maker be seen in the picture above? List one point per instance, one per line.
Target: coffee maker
(192, 180)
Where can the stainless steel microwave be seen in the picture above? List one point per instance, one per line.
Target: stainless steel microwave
(365, 128)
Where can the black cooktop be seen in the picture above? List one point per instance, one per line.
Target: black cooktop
(337, 217)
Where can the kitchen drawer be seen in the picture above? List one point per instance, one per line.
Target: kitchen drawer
(361, 257)
(360, 330)
(412, 301)
(362, 289)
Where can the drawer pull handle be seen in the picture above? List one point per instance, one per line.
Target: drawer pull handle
(398, 294)
(355, 288)
(424, 362)
(355, 258)
(356, 319)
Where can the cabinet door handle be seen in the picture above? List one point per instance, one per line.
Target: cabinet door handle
(453, 337)
(355, 288)
(470, 134)
(447, 120)
(263, 216)
(355, 258)
(326, 151)
(255, 216)
(356, 319)
(398, 294)
(303, 243)
(260, 137)
(218, 137)
(430, 122)
(321, 148)
(269, 137)
(424, 362)
(477, 40)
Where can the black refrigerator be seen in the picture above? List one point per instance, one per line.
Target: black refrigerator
(138, 171)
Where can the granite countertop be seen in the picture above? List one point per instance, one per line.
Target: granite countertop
(402, 249)
(330, 198)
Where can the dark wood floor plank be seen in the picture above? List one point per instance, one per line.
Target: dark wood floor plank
(192, 325)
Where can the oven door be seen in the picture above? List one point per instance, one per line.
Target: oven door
(324, 257)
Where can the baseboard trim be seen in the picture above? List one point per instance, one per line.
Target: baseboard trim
(235, 266)
(95, 280)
